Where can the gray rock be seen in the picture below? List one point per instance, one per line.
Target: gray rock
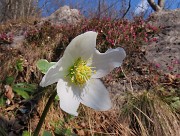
(64, 15)
(165, 53)
(166, 18)
(18, 41)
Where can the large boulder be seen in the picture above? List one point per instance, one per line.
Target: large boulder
(65, 15)
(165, 18)
(165, 52)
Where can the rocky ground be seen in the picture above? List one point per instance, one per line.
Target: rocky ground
(161, 58)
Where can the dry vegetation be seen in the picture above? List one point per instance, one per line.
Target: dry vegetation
(148, 106)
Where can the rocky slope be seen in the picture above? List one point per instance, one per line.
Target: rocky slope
(165, 52)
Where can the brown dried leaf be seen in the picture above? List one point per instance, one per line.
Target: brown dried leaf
(8, 92)
(81, 133)
(11, 108)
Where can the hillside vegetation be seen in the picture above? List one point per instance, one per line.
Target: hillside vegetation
(146, 102)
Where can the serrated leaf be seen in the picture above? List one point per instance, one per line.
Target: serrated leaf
(21, 88)
(26, 87)
(21, 92)
(43, 65)
(47, 133)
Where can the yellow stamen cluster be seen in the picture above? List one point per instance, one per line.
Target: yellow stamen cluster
(79, 73)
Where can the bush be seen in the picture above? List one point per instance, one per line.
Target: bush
(112, 33)
(6, 38)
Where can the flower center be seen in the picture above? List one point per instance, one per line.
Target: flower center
(79, 73)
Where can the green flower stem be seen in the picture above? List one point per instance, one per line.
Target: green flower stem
(43, 116)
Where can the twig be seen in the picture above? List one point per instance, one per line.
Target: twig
(129, 6)
(128, 80)
(101, 12)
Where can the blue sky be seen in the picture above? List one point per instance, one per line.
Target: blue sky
(136, 5)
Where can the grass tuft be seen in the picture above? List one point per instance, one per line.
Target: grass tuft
(147, 114)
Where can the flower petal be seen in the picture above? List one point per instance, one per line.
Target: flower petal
(69, 99)
(82, 46)
(106, 62)
(53, 74)
(96, 96)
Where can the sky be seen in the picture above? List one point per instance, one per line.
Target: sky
(137, 6)
(142, 6)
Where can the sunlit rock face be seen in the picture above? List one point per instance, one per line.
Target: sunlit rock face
(65, 15)
(165, 18)
(165, 52)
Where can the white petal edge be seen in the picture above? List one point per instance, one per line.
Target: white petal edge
(53, 74)
(104, 63)
(96, 96)
(69, 101)
(82, 46)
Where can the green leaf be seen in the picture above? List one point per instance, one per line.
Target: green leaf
(57, 98)
(9, 80)
(176, 105)
(175, 99)
(64, 132)
(3, 131)
(19, 65)
(21, 92)
(57, 131)
(43, 65)
(22, 89)
(47, 133)
(26, 133)
(2, 101)
(68, 132)
(26, 87)
(69, 117)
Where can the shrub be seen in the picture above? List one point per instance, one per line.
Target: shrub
(112, 33)
(6, 38)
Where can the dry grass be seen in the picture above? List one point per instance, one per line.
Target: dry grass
(29, 53)
(148, 115)
(15, 25)
(143, 114)
(89, 122)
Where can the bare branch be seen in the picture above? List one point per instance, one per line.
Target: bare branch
(161, 3)
(109, 7)
(129, 6)
(154, 6)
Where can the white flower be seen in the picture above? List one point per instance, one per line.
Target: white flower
(77, 74)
